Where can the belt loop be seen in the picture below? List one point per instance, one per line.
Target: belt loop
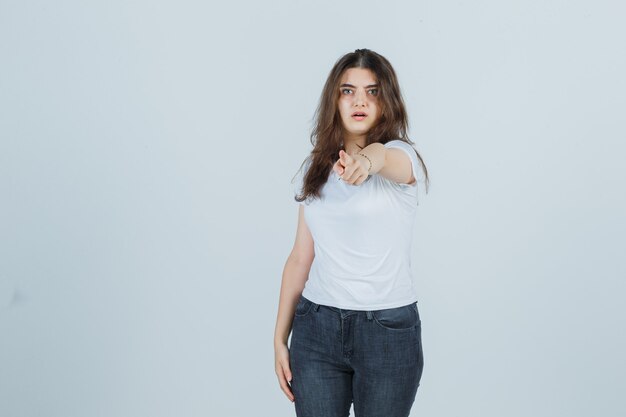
(369, 314)
(316, 306)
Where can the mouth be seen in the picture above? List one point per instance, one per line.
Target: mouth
(359, 115)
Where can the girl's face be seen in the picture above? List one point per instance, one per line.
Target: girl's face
(358, 102)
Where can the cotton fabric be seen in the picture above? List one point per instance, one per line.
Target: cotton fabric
(362, 239)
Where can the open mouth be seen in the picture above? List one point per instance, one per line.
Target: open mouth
(359, 115)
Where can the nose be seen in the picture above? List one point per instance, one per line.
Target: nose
(359, 98)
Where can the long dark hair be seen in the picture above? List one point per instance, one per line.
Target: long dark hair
(327, 133)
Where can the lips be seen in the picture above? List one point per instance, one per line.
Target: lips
(359, 115)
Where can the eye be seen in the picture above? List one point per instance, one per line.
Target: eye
(373, 91)
(343, 91)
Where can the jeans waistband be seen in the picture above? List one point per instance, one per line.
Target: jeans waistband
(343, 312)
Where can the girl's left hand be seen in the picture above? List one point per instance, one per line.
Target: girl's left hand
(351, 169)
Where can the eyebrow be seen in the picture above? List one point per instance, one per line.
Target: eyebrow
(350, 85)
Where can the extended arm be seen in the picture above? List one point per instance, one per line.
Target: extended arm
(391, 163)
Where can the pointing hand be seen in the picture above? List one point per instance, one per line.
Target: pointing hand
(351, 169)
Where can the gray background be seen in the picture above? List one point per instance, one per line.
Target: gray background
(146, 154)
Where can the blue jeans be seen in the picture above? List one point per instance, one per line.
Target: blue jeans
(372, 358)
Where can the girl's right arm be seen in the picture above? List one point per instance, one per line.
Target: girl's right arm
(295, 275)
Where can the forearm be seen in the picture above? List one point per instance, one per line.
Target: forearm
(375, 153)
(295, 275)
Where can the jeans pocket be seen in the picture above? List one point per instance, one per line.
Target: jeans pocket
(399, 318)
(303, 307)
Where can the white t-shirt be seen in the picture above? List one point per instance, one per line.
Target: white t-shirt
(362, 240)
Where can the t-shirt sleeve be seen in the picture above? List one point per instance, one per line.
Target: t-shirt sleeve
(416, 165)
(408, 192)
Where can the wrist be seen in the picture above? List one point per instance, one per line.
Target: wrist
(365, 161)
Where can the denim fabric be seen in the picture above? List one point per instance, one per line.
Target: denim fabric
(372, 358)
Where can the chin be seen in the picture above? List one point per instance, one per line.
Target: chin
(362, 131)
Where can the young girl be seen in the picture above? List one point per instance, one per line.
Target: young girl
(347, 294)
